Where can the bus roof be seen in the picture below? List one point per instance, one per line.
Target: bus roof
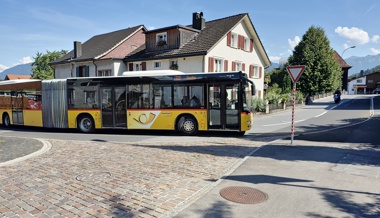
(18, 81)
(152, 73)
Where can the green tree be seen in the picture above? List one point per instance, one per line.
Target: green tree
(323, 72)
(41, 68)
(281, 78)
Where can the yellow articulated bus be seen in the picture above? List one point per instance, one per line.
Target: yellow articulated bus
(184, 102)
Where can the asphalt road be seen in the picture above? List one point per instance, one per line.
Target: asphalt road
(332, 172)
(320, 115)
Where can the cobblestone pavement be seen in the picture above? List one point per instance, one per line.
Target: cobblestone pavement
(95, 179)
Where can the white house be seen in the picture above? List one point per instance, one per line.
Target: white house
(357, 86)
(102, 55)
(226, 44)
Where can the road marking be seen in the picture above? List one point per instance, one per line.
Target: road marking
(321, 114)
(283, 123)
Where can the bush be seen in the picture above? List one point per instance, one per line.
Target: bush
(256, 104)
(285, 98)
(273, 98)
(299, 96)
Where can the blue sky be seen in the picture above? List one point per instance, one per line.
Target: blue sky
(28, 27)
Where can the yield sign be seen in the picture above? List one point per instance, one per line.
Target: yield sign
(295, 72)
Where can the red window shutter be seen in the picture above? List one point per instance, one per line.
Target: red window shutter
(225, 65)
(229, 38)
(243, 67)
(143, 66)
(233, 66)
(130, 66)
(251, 71)
(241, 42)
(261, 72)
(251, 45)
(210, 64)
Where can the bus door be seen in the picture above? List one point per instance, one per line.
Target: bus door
(113, 107)
(223, 106)
(17, 107)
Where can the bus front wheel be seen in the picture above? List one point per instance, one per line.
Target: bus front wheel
(6, 120)
(187, 125)
(86, 124)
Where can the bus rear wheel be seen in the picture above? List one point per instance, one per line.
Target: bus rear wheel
(187, 125)
(6, 120)
(86, 124)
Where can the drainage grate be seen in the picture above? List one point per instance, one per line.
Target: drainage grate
(243, 195)
(93, 177)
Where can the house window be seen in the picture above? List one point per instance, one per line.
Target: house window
(137, 67)
(83, 71)
(218, 65)
(234, 40)
(174, 65)
(157, 64)
(246, 44)
(256, 71)
(359, 81)
(161, 39)
(239, 66)
(104, 72)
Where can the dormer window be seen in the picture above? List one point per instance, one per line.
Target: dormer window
(161, 39)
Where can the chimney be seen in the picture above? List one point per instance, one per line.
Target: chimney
(198, 21)
(77, 49)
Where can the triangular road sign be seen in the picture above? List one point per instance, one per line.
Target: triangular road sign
(295, 72)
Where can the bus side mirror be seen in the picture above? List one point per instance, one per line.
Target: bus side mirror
(253, 90)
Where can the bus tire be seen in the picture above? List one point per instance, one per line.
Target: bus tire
(187, 125)
(6, 120)
(86, 124)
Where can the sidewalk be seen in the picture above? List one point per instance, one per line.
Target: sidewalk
(306, 179)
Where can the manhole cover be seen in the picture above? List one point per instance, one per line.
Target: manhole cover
(243, 195)
(93, 177)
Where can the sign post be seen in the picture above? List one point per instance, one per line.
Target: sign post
(295, 73)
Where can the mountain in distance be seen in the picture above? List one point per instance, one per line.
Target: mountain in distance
(362, 63)
(22, 69)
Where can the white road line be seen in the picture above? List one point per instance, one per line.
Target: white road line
(283, 123)
(321, 114)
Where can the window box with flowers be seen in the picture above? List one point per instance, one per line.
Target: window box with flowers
(161, 43)
(174, 67)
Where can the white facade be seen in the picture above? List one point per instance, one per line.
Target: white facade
(192, 64)
(357, 84)
(233, 54)
(113, 67)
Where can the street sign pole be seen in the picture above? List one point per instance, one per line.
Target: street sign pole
(293, 109)
(295, 73)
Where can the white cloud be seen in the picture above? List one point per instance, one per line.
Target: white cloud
(375, 38)
(274, 58)
(354, 34)
(375, 51)
(26, 60)
(2, 68)
(294, 43)
(151, 28)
